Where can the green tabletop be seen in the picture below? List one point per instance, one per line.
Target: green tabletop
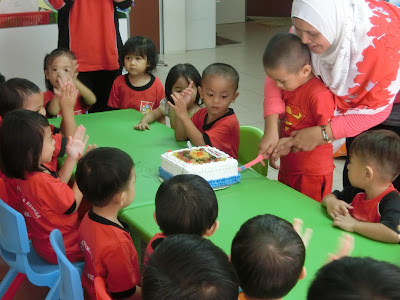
(115, 129)
(254, 195)
(257, 195)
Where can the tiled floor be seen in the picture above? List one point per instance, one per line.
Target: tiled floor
(246, 58)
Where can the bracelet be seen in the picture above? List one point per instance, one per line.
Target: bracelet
(325, 135)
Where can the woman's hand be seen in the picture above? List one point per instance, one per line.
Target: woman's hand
(304, 140)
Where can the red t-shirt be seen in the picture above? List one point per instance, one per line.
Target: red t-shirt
(47, 203)
(79, 109)
(109, 252)
(310, 105)
(150, 247)
(144, 99)
(223, 133)
(92, 35)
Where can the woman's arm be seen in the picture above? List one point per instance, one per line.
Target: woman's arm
(273, 107)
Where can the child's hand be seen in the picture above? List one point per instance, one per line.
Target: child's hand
(77, 143)
(67, 94)
(90, 147)
(345, 247)
(179, 107)
(346, 222)
(306, 235)
(336, 207)
(187, 93)
(142, 126)
(275, 155)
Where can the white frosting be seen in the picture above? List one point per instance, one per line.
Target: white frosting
(209, 171)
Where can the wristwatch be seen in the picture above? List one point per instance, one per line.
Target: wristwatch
(325, 135)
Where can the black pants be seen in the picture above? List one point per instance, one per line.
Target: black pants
(346, 182)
(100, 82)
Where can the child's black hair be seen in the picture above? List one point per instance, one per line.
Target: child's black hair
(13, 93)
(48, 59)
(102, 173)
(144, 47)
(186, 204)
(286, 50)
(380, 147)
(188, 267)
(356, 278)
(21, 142)
(268, 256)
(224, 70)
(186, 71)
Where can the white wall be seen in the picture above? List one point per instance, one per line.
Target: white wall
(231, 11)
(188, 25)
(23, 49)
(174, 26)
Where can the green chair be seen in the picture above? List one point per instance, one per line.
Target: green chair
(250, 137)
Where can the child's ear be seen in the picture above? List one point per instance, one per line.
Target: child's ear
(154, 217)
(306, 70)
(210, 231)
(122, 198)
(234, 97)
(369, 172)
(46, 74)
(303, 273)
(200, 90)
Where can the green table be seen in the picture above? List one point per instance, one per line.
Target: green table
(252, 196)
(115, 129)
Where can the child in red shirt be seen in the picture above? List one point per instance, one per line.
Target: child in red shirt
(138, 89)
(106, 177)
(215, 125)
(19, 93)
(307, 103)
(43, 196)
(184, 204)
(59, 67)
(371, 205)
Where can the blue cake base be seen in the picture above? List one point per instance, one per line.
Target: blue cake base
(215, 184)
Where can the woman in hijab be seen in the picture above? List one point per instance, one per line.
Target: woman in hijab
(355, 47)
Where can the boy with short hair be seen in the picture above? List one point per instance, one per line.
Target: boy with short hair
(106, 177)
(308, 102)
(189, 267)
(184, 204)
(216, 124)
(371, 206)
(356, 278)
(268, 256)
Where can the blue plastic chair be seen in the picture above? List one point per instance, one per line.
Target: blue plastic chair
(18, 253)
(250, 137)
(70, 281)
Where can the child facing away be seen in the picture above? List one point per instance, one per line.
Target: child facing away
(60, 66)
(34, 188)
(189, 267)
(184, 204)
(139, 89)
(267, 274)
(19, 93)
(356, 278)
(371, 206)
(215, 125)
(106, 177)
(308, 102)
(178, 79)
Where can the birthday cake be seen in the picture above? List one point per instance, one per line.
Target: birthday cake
(215, 166)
